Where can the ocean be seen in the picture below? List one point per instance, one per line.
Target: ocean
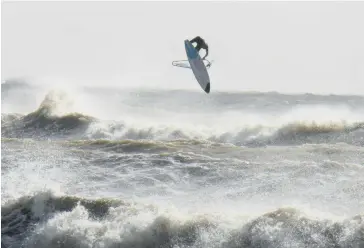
(103, 167)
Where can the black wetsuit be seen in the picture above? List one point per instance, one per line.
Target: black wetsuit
(200, 44)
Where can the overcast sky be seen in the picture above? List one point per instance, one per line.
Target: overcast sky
(315, 47)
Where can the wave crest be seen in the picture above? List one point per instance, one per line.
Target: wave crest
(49, 119)
(45, 220)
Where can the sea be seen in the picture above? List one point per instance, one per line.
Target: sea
(108, 167)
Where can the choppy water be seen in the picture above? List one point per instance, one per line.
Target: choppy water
(102, 167)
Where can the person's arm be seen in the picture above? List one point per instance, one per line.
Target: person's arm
(194, 39)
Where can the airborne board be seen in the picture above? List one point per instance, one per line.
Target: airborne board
(197, 65)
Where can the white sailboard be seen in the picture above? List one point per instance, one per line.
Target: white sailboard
(199, 68)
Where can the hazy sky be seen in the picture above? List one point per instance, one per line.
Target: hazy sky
(313, 47)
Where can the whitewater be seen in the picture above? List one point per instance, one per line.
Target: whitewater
(103, 167)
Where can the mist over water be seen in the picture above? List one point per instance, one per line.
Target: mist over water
(108, 167)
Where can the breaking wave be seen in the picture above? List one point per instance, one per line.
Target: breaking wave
(48, 120)
(46, 220)
(53, 119)
(40, 124)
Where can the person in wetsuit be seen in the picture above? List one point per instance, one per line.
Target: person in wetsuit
(200, 44)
